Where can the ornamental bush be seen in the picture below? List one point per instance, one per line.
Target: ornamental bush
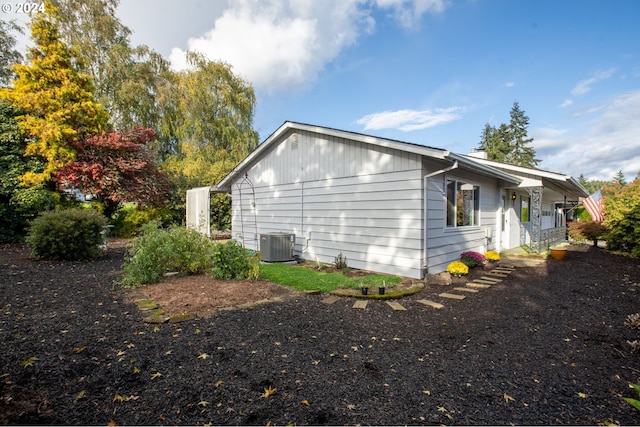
(129, 219)
(157, 251)
(232, 261)
(71, 234)
(587, 231)
(472, 259)
(622, 216)
(492, 256)
(457, 268)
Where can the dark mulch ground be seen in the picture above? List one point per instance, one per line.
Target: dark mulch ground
(546, 346)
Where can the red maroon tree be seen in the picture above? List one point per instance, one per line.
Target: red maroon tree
(116, 167)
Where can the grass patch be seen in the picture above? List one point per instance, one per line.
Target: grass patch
(306, 279)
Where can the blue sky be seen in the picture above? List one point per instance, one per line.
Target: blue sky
(431, 72)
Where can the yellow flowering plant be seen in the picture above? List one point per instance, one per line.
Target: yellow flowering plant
(492, 256)
(457, 268)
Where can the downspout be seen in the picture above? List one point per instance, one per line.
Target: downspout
(425, 259)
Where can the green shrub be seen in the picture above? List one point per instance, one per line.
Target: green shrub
(157, 251)
(341, 262)
(624, 234)
(622, 216)
(232, 261)
(129, 219)
(587, 230)
(72, 234)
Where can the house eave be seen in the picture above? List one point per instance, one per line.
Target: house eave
(565, 183)
(476, 166)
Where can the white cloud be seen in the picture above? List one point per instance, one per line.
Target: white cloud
(566, 103)
(584, 86)
(606, 143)
(544, 138)
(278, 44)
(411, 120)
(408, 13)
(284, 44)
(509, 84)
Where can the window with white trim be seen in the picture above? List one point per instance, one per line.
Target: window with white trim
(463, 204)
(525, 213)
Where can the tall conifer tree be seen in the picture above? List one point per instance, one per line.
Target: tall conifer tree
(510, 143)
(55, 99)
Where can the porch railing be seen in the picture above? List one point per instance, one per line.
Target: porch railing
(551, 236)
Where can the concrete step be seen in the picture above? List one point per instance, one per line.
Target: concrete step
(360, 304)
(470, 290)
(330, 299)
(452, 296)
(478, 285)
(396, 306)
(484, 282)
(491, 273)
(430, 303)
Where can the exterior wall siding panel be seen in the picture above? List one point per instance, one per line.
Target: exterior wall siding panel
(444, 244)
(338, 195)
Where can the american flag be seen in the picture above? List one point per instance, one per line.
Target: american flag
(593, 205)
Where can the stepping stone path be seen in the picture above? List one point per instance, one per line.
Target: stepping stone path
(431, 303)
(396, 306)
(330, 299)
(362, 304)
(451, 296)
(476, 285)
(484, 282)
(469, 290)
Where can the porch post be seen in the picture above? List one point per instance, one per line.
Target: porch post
(536, 218)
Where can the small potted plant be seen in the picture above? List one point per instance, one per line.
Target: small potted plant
(558, 252)
(381, 288)
(364, 288)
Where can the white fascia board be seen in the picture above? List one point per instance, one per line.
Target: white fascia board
(374, 140)
(530, 182)
(474, 164)
(522, 169)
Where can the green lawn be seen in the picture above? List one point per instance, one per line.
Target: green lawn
(306, 279)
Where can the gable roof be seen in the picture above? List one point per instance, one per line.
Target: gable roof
(435, 153)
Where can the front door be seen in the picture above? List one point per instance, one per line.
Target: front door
(504, 233)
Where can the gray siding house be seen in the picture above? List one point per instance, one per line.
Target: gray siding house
(390, 206)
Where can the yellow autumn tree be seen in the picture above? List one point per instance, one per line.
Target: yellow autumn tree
(55, 99)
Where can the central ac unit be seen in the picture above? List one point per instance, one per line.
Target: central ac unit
(277, 247)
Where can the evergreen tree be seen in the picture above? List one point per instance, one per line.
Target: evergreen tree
(17, 203)
(522, 154)
(509, 143)
(495, 142)
(56, 100)
(619, 178)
